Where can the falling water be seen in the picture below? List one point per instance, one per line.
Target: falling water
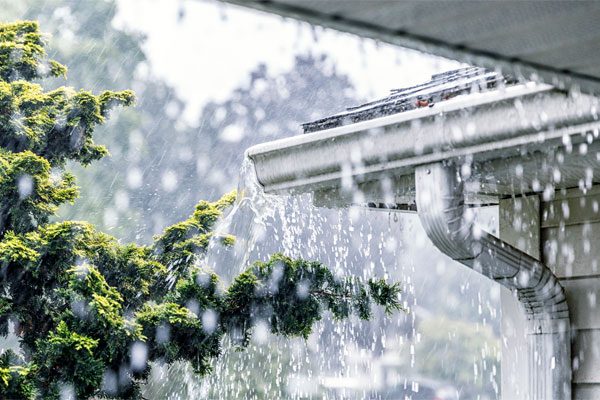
(349, 359)
(250, 217)
(336, 353)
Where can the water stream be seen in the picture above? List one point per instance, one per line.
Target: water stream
(351, 359)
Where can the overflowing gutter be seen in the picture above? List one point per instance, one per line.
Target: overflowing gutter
(469, 149)
(519, 121)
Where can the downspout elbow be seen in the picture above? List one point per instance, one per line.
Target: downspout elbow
(450, 226)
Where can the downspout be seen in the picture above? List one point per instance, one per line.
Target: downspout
(450, 226)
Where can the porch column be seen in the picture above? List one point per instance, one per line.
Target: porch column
(570, 233)
(519, 225)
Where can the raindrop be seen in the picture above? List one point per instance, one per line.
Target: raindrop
(209, 321)
(25, 186)
(139, 356)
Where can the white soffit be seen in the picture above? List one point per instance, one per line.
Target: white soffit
(547, 38)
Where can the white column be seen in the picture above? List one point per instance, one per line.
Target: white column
(519, 225)
(571, 248)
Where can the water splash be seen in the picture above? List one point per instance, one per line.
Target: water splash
(248, 220)
(350, 359)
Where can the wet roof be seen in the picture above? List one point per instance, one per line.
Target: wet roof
(441, 87)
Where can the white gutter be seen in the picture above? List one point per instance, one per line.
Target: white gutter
(418, 152)
(479, 124)
(441, 209)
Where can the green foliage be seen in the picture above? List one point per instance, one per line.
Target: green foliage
(56, 125)
(291, 295)
(67, 357)
(40, 130)
(153, 138)
(383, 294)
(22, 53)
(174, 333)
(87, 307)
(29, 194)
(15, 377)
(176, 247)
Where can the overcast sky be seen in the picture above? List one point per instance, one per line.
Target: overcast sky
(205, 49)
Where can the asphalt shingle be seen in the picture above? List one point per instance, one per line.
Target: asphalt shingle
(441, 87)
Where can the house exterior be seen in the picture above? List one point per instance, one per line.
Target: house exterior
(475, 138)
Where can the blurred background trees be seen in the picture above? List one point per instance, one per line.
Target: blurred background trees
(161, 164)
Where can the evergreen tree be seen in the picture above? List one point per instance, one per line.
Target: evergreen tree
(150, 143)
(91, 314)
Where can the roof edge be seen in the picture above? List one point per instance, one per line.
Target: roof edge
(396, 144)
(559, 78)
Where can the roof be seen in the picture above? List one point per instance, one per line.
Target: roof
(441, 87)
(521, 139)
(547, 39)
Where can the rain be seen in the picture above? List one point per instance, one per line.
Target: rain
(474, 188)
